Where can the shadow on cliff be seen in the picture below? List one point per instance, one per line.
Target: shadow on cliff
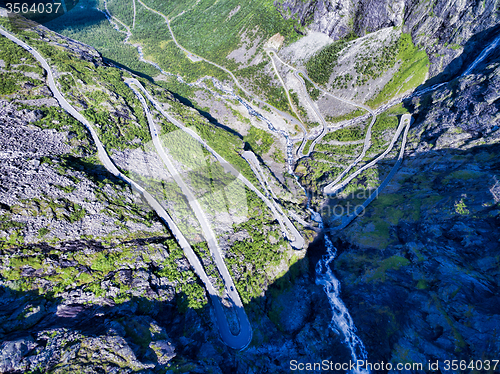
(187, 102)
(94, 171)
(424, 263)
(278, 318)
(465, 94)
(80, 17)
(472, 49)
(294, 312)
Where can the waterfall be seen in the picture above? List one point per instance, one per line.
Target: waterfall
(483, 55)
(342, 322)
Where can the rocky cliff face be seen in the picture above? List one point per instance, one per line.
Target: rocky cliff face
(442, 28)
(338, 18)
(420, 268)
(90, 280)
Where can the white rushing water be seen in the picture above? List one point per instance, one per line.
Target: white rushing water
(342, 322)
(483, 55)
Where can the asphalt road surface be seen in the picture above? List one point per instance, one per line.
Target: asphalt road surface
(296, 240)
(244, 336)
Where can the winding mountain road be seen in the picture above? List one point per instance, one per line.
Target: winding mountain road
(318, 114)
(194, 57)
(304, 131)
(244, 336)
(210, 237)
(406, 120)
(255, 165)
(367, 141)
(335, 189)
(296, 240)
(252, 160)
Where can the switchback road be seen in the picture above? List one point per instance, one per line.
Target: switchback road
(245, 334)
(239, 341)
(296, 240)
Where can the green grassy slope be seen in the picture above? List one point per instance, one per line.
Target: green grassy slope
(412, 71)
(86, 24)
(101, 95)
(212, 28)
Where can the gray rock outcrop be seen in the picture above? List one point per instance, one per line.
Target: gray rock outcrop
(443, 28)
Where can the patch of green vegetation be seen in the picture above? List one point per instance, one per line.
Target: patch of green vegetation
(17, 61)
(8, 84)
(320, 66)
(212, 184)
(367, 180)
(62, 209)
(345, 134)
(56, 118)
(313, 172)
(259, 140)
(348, 149)
(6, 223)
(92, 269)
(159, 47)
(240, 116)
(107, 261)
(67, 189)
(171, 84)
(307, 146)
(385, 123)
(77, 213)
(42, 232)
(124, 10)
(392, 263)
(373, 65)
(264, 250)
(15, 239)
(462, 175)
(311, 90)
(300, 109)
(12, 54)
(386, 210)
(278, 155)
(422, 284)
(412, 71)
(384, 201)
(262, 84)
(461, 208)
(397, 109)
(345, 117)
(218, 26)
(341, 82)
